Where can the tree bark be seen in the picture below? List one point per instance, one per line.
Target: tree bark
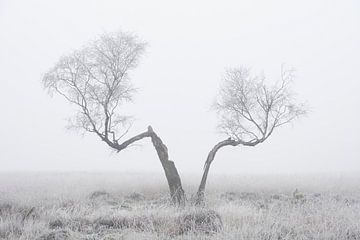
(201, 190)
(177, 193)
(173, 178)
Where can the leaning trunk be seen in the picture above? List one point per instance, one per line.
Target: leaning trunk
(176, 191)
(201, 191)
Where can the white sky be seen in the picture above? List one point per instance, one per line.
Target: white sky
(190, 45)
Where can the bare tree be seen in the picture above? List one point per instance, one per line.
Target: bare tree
(96, 80)
(250, 110)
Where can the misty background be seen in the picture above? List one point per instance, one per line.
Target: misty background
(190, 45)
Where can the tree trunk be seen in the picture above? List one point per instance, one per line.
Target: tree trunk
(201, 191)
(176, 191)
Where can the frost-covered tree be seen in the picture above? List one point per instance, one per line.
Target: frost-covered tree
(96, 80)
(249, 111)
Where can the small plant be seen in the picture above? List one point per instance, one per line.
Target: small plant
(200, 221)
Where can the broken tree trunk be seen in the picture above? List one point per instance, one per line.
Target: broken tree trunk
(177, 193)
(173, 178)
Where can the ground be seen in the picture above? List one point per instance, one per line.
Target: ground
(110, 206)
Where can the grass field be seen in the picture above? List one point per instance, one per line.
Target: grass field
(50, 206)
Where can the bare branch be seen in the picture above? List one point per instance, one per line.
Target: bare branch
(250, 110)
(96, 80)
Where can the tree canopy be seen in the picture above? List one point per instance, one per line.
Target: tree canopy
(96, 79)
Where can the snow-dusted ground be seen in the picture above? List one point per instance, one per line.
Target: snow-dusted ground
(135, 206)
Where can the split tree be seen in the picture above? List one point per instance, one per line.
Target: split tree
(96, 80)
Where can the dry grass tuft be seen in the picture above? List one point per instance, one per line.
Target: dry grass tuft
(135, 197)
(200, 221)
(55, 235)
(99, 195)
(55, 224)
